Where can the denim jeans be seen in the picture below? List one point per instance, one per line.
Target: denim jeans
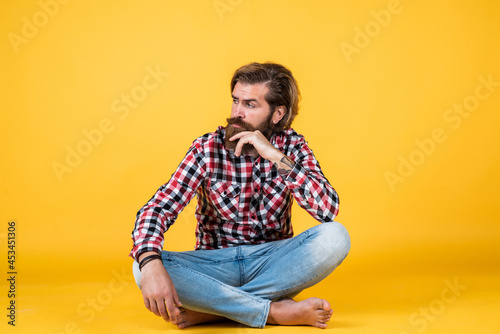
(240, 282)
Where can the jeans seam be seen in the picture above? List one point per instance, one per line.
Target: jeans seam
(241, 266)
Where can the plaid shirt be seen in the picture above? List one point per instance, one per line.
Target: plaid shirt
(241, 200)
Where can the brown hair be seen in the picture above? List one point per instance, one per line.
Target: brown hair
(283, 89)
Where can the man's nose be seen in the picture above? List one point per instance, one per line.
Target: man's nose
(238, 111)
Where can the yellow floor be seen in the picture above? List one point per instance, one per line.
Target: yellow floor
(364, 301)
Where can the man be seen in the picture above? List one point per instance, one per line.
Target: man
(246, 265)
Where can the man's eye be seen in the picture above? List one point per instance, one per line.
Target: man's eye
(235, 101)
(250, 106)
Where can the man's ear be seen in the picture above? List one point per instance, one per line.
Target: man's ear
(279, 113)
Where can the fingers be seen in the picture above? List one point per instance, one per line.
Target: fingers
(151, 306)
(168, 310)
(173, 311)
(177, 301)
(238, 148)
(164, 312)
(173, 305)
(243, 139)
(146, 303)
(246, 137)
(155, 307)
(239, 135)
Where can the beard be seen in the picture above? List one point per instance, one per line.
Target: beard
(265, 128)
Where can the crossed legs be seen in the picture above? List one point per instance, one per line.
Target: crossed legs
(248, 283)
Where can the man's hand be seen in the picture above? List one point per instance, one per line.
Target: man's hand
(259, 142)
(267, 151)
(159, 292)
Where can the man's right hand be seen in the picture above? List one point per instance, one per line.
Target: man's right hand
(158, 290)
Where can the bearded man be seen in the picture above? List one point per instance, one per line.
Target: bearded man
(247, 266)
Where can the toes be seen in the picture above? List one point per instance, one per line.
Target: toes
(322, 314)
(326, 305)
(182, 322)
(323, 320)
(178, 320)
(321, 325)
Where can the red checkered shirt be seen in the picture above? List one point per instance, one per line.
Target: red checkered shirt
(241, 200)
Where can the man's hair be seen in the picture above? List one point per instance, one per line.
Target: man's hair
(283, 89)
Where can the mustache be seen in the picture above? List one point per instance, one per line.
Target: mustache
(238, 121)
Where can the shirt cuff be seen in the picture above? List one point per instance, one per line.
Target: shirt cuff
(296, 177)
(142, 248)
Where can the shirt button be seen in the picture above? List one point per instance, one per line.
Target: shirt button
(253, 216)
(257, 188)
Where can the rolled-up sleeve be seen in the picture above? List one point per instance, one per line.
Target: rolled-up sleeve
(309, 186)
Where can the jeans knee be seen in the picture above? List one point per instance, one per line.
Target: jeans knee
(334, 238)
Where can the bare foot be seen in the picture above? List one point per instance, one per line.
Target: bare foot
(188, 318)
(313, 312)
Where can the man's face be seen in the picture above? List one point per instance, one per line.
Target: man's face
(249, 104)
(249, 112)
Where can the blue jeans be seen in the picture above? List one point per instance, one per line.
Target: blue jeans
(240, 282)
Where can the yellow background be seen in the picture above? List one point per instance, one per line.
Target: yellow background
(65, 68)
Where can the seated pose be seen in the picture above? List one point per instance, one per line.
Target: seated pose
(246, 266)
